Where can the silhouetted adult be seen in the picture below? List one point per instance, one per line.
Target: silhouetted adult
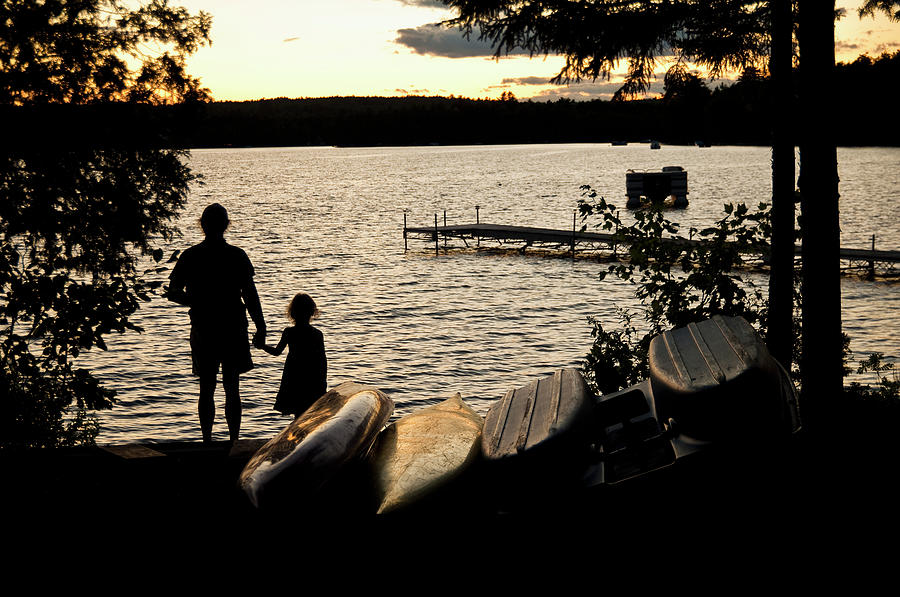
(215, 280)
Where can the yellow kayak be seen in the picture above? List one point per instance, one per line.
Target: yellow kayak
(422, 452)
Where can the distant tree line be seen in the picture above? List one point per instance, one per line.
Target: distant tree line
(687, 112)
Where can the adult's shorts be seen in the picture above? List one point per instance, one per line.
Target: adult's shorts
(214, 347)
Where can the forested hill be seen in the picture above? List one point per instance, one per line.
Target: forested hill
(689, 112)
(727, 118)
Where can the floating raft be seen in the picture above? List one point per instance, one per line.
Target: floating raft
(656, 186)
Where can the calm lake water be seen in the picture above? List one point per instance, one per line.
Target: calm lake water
(328, 221)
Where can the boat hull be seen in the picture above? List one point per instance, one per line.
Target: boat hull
(544, 416)
(423, 452)
(713, 389)
(536, 441)
(339, 428)
(718, 382)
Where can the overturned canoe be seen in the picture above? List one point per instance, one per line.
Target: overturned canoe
(423, 452)
(717, 381)
(536, 441)
(712, 385)
(337, 429)
(544, 416)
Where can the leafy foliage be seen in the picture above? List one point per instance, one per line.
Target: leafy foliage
(81, 51)
(618, 357)
(891, 8)
(888, 380)
(594, 37)
(678, 280)
(80, 216)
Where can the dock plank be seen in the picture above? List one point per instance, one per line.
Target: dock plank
(529, 234)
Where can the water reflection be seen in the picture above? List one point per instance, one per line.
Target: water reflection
(328, 222)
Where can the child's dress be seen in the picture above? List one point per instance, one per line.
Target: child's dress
(303, 379)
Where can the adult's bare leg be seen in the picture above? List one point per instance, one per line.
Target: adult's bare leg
(206, 405)
(231, 383)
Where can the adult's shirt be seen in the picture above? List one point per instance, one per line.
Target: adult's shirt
(217, 279)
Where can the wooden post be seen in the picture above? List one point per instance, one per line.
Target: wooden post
(615, 245)
(445, 232)
(405, 240)
(573, 235)
(435, 236)
(477, 221)
(872, 260)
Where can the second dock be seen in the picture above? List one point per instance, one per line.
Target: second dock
(522, 238)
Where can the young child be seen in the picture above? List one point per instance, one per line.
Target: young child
(303, 379)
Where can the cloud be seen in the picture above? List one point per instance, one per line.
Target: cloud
(423, 3)
(290, 39)
(845, 46)
(584, 90)
(886, 47)
(579, 92)
(589, 90)
(413, 90)
(526, 81)
(434, 40)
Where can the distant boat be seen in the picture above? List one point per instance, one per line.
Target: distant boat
(701, 144)
(654, 145)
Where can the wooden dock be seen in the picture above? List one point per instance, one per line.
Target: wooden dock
(574, 241)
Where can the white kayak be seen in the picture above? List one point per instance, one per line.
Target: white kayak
(338, 428)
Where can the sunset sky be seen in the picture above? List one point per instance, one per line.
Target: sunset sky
(321, 48)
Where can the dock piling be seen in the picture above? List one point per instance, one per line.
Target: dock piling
(615, 245)
(574, 213)
(871, 273)
(477, 221)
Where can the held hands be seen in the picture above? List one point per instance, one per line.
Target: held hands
(259, 338)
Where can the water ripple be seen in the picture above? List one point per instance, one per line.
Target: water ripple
(328, 221)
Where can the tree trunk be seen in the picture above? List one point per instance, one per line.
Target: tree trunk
(781, 278)
(821, 361)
